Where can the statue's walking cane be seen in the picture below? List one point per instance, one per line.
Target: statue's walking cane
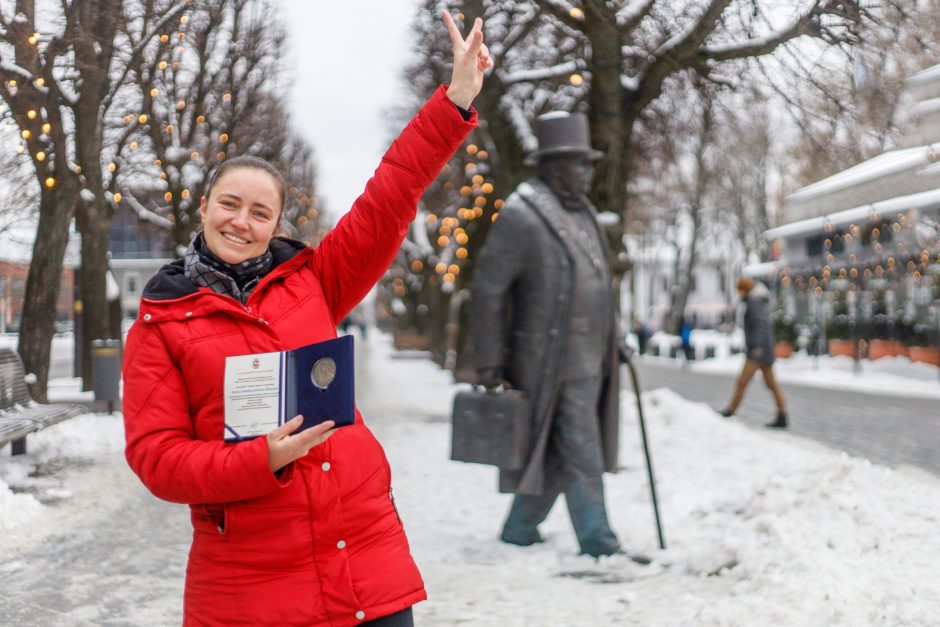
(627, 355)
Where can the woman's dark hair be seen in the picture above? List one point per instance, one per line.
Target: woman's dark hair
(249, 161)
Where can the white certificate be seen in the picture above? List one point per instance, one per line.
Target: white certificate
(253, 394)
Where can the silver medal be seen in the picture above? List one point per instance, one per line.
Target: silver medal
(323, 373)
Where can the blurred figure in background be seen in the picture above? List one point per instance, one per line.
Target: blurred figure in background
(759, 349)
(642, 332)
(685, 335)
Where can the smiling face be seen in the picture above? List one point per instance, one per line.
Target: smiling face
(241, 214)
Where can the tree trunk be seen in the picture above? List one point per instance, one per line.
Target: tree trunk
(609, 128)
(42, 285)
(94, 224)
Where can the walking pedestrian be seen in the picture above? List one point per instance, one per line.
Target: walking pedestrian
(759, 348)
(292, 528)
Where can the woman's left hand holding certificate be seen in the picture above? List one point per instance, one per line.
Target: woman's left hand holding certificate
(283, 448)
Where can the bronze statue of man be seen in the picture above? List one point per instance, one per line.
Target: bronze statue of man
(543, 320)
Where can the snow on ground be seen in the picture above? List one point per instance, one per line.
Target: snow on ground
(761, 527)
(68, 462)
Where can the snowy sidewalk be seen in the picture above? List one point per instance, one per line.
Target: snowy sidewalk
(761, 527)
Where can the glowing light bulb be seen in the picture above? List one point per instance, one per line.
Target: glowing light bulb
(25, 134)
(576, 79)
(117, 196)
(46, 128)
(50, 182)
(142, 118)
(31, 114)
(40, 156)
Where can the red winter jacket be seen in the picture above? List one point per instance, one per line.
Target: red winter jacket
(322, 544)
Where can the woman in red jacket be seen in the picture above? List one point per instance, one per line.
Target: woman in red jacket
(289, 529)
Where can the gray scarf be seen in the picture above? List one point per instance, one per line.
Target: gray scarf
(236, 280)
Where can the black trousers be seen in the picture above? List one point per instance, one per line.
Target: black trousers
(404, 618)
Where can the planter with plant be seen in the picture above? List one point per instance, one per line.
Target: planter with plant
(785, 334)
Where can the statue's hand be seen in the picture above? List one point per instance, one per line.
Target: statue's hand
(624, 351)
(490, 378)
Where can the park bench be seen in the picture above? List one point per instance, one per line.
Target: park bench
(19, 414)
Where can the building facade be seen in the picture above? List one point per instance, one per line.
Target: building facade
(860, 255)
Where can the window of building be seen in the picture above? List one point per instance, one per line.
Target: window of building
(131, 283)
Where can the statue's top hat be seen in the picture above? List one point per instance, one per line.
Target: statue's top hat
(559, 133)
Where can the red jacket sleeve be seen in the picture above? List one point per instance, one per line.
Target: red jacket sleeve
(358, 251)
(161, 446)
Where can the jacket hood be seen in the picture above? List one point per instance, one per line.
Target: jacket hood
(171, 281)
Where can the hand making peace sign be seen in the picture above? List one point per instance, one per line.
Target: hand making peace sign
(471, 60)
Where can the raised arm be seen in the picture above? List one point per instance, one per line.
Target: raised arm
(358, 251)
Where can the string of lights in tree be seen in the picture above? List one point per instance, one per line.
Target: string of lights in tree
(452, 230)
(892, 259)
(188, 129)
(35, 129)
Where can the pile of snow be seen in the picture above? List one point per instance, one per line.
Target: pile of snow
(31, 485)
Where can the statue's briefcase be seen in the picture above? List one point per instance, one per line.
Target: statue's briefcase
(491, 427)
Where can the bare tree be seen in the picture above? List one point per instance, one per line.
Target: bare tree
(854, 109)
(60, 87)
(207, 93)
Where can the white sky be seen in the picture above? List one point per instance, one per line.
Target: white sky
(348, 66)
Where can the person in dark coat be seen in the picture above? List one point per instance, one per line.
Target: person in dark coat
(759, 347)
(642, 332)
(542, 321)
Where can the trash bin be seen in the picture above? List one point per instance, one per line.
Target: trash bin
(106, 371)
